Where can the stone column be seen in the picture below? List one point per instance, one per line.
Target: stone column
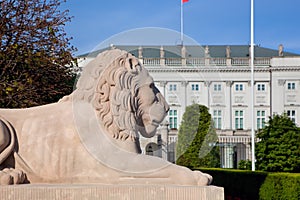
(279, 96)
(207, 84)
(228, 103)
(184, 84)
(164, 132)
(163, 84)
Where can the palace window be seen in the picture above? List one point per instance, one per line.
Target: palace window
(195, 87)
(239, 119)
(261, 87)
(172, 87)
(291, 85)
(292, 115)
(173, 116)
(217, 87)
(260, 119)
(239, 87)
(217, 117)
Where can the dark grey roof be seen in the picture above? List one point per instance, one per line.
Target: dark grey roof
(215, 51)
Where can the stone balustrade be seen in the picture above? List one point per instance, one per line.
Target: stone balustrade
(204, 61)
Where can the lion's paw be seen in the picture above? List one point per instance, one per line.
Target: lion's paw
(9, 176)
(5, 179)
(203, 179)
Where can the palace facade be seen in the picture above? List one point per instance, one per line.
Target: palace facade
(219, 77)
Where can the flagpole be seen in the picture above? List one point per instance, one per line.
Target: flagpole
(252, 86)
(181, 22)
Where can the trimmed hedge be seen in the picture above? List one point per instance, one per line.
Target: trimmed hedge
(248, 185)
(280, 186)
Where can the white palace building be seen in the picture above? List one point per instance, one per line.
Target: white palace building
(218, 77)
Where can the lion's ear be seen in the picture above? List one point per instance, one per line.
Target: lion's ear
(131, 64)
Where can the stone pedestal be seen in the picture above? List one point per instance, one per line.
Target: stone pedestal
(108, 192)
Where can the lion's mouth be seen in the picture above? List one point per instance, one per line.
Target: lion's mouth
(148, 130)
(147, 126)
(155, 123)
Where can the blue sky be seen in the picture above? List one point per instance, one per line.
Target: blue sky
(212, 22)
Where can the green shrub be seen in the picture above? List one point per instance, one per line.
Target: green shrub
(239, 184)
(280, 186)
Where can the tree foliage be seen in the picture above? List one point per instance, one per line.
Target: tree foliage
(196, 139)
(278, 149)
(35, 53)
(245, 164)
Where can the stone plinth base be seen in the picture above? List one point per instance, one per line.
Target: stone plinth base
(103, 192)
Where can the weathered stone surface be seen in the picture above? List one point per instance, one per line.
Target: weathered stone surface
(110, 192)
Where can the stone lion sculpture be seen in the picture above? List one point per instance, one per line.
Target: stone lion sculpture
(92, 135)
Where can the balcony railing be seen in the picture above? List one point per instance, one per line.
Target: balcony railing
(196, 61)
(173, 61)
(217, 61)
(151, 61)
(204, 61)
(240, 61)
(262, 61)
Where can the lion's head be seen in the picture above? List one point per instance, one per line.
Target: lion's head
(123, 95)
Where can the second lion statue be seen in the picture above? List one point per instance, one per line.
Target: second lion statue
(92, 135)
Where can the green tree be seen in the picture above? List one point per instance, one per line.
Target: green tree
(278, 149)
(36, 62)
(197, 138)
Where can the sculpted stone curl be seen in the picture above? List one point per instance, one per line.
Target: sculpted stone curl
(92, 135)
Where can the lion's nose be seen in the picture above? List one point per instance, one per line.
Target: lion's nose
(162, 100)
(156, 113)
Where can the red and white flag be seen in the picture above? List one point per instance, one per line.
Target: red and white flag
(184, 1)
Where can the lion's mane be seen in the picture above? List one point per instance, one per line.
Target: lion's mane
(111, 87)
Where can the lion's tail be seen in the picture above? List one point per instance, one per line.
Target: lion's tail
(9, 149)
